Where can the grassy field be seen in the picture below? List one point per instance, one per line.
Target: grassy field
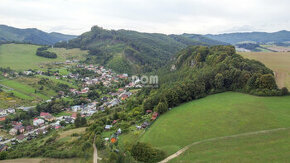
(66, 135)
(279, 62)
(44, 160)
(215, 116)
(24, 91)
(269, 147)
(23, 57)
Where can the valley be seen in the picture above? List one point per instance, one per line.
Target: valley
(210, 104)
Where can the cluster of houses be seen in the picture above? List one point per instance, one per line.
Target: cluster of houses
(5, 112)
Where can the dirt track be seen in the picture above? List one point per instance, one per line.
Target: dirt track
(217, 138)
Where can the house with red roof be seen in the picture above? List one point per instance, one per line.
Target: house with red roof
(154, 116)
(43, 114)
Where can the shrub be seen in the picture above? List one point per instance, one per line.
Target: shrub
(3, 155)
(284, 91)
(146, 153)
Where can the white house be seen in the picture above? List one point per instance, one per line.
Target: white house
(3, 112)
(38, 122)
(10, 110)
(76, 108)
(108, 127)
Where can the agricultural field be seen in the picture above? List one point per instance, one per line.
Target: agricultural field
(22, 56)
(220, 115)
(279, 62)
(277, 48)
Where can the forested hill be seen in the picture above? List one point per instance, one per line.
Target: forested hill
(198, 71)
(31, 35)
(259, 37)
(131, 51)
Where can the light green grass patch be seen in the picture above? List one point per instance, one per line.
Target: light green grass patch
(23, 56)
(215, 116)
(266, 147)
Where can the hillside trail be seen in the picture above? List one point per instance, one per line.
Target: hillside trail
(218, 138)
(95, 151)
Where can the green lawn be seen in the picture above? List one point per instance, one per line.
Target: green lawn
(23, 57)
(269, 147)
(215, 116)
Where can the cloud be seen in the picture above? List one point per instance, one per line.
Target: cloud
(163, 16)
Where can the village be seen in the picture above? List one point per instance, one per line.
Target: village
(44, 122)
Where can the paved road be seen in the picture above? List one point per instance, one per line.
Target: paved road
(217, 138)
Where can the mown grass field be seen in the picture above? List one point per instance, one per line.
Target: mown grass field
(279, 62)
(23, 56)
(269, 147)
(218, 115)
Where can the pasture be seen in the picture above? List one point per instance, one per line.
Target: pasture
(23, 56)
(279, 62)
(25, 91)
(217, 115)
(268, 147)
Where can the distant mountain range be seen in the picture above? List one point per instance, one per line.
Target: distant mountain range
(259, 37)
(31, 35)
(131, 51)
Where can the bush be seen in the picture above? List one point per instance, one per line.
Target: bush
(284, 91)
(3, 155)
(100, 143)
(146, 153)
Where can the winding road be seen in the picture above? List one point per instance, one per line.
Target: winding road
(217, 138)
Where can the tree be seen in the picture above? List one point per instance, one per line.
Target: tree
(62, 123)
(3, 155)
(146, 153)
(219, 81)
(267, 81)
(162, 107)
(284, 91)
(80, 121)
(83, 121)
(18, 132)
(100, 143)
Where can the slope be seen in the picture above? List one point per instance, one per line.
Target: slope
(260, 37)
(134, 51)
(31, 35)
(215, 116)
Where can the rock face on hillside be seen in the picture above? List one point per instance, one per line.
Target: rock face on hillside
(131, 51)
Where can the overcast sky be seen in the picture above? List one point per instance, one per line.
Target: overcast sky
(162, 16)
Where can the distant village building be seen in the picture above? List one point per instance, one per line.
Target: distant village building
(38, 122)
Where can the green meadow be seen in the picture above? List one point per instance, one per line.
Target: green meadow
(25, 91)
(268, 147)
(23, 56)
(219, 115)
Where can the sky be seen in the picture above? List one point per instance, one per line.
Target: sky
(154, 16)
